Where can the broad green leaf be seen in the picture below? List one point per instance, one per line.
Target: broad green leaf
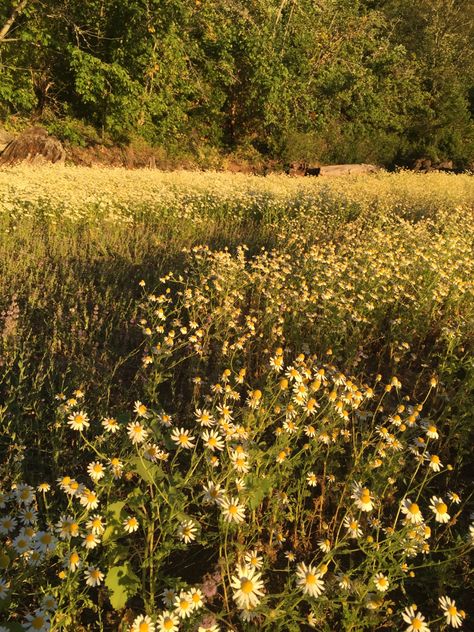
(122, 584)
(149, 472)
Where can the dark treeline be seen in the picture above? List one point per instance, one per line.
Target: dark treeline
(336, 80)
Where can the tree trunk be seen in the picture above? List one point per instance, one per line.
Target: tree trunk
(9, 23)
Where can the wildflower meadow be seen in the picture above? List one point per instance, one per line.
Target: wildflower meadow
(235, 403)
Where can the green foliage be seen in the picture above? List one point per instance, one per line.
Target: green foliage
(333, 81)
(122, 584)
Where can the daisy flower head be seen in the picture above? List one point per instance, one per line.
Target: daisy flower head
(254, 398)
(141, 410)
(430, 429)
(308, 580)
(312, 479)
(88, 499)
(212, 440)
(232, 510)
(93, 576)
(324, 545)
(49, 603)
(96, 470)
(212, 493)
(130, 524)
(363, 497)
(43, 488)
(182, 438)
(73, 561)
(167, 622)
(110, 424)
(440, 509)
(353, 527)
(45, 542)
(453, 616)
(344, 581)
(183, 605)
(79, 421)
(143, 623)
(197, 598)
(187, 531)
(204, 418)
(434, 463)
(248, 587)
(7, 524)
(381, 582)
(90, 541)
(253, 559)
(454, 498)
(37, 622)
(137, 433)
(415, 620)
(412, 511)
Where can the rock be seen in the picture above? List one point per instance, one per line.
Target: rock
(34, 146)
(348, 170)
(5, 139)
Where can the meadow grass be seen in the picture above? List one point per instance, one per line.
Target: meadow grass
(255, 393)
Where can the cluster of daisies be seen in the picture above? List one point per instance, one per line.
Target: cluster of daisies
(305, 408)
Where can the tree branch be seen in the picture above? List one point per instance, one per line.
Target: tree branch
(9, 23)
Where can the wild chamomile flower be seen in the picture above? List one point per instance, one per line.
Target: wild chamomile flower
(344, 581)
(130, 524)
(312, 479)
(96, 470)
(454, 498)
(415, 620)
(440, 509)
(37, 622)
(21, 544)
(25, 494)
(212, 493)
(353, 527)
(167, 622)
(49, 603)
(232, 510)
(204, 418)
(430, 429)
(412, 511)
(212, 440)
(110, 424)
(93, 576)
(324, 545)
(45, 542)
(28, 515)
(454, 617)
(182, 438)
(197, 598)
(79, 421)
(183, 605)
(90, 541)
(187, 531)
(72, 561)
(116, 466)
(254, 398)
(363, 497)
(308, 580)
(253, 559)
(142, 623)
(137, 432)
(7, 524)
(248, 587)
(434, 462)
(88, 499)
(141, 410)
(381, 582)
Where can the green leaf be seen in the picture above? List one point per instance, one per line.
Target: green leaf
(112, 514)
(258, 488)
(149, 472)
(122, 584)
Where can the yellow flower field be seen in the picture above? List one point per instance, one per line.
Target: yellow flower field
(231, 402)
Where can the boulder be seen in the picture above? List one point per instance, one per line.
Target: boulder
(33, 146)
(5, 139)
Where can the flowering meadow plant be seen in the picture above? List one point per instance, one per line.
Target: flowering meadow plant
(277, 466)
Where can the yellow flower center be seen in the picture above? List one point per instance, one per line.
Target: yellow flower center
(310, 578)
(232, 509)
(452, 610)
(441, 508)
(168, 624)
(246, 586)
(416, 624)
(74, 559)
(414, 509)
(184, 604)
(143, 627)
(38, 622)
